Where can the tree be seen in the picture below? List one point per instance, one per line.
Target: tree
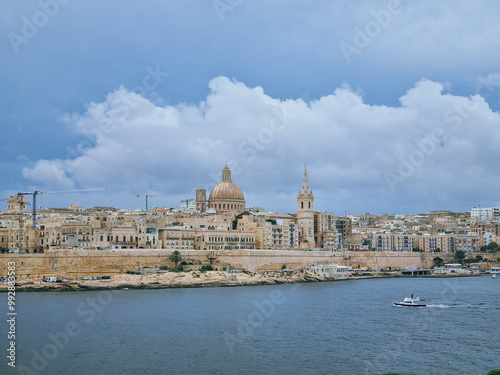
(176, 258)
(492, 247)
(494, 372)
(460, 255)
(206, 267)
(438, 261)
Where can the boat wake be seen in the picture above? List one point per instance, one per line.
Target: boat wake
(459, 306)
(440, 306)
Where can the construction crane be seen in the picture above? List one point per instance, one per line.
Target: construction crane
(153, 195)
(35, 192)
(187, 202)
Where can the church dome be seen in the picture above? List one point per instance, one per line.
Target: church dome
(226, 195)
(226, 190)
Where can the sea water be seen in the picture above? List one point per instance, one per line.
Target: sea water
(344, 327)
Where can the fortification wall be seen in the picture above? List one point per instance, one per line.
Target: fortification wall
(78, 263)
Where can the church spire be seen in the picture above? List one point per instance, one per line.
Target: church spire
(305, 183)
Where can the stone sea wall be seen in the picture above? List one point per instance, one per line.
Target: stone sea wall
(74, 264)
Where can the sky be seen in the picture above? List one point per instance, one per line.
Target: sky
(394, 105)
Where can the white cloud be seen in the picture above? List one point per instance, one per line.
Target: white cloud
(50, 173)
(434, 144)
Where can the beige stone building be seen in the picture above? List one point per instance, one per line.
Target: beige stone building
(277, 232)
(224, 240)
(177, 236)
(326, 235)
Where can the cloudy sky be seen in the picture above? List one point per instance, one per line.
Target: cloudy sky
(393, 105)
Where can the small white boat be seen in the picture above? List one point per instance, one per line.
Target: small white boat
(411, 302)
(494, 272)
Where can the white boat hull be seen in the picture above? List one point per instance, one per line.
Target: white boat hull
(409, 304)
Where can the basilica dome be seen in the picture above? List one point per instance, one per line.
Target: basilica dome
(226, 196)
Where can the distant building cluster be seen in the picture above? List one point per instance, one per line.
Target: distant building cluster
(223, 222)
(437, 231)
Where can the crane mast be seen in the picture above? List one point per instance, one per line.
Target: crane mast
(35, 192)
(152, 195)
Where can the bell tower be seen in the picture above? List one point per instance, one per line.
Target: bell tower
(305, 214)
(201, 200)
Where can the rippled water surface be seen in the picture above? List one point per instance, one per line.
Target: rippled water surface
(347, 327)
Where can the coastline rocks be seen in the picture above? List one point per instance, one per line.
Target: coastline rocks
(167, 280)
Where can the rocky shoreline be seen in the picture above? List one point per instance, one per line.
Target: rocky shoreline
(189, 280)
(168, 280)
